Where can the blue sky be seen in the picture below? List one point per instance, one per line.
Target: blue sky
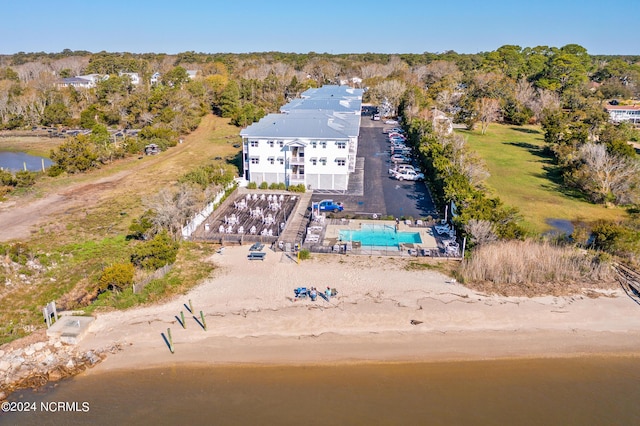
(331, 26)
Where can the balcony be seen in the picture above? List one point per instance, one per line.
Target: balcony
(296, 160)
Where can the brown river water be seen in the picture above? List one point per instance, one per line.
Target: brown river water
(571, 391)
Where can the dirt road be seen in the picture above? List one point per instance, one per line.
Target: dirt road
(21, 216)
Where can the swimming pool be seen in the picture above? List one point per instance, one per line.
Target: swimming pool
(382, 236)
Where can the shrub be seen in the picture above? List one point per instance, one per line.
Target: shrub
(304, 254)
(75, 155)
(264, 185)
(25, 178)
(252, 185)
(55, 170)
(116, 277)
(7, 178)
(140, 227)
(297, 188)
(155, 253)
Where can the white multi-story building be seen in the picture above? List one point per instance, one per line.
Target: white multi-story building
(314, 143)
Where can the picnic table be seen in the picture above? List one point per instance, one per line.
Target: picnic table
(256, 255)
(256, 247)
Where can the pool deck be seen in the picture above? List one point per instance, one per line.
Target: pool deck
(332, 231)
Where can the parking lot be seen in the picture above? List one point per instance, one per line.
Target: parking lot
(373, 191)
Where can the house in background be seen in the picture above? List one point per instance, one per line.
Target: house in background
(620, 113)
(155, 78)
(133, 76)
(192, 74)
(82, 81)
(313, 143)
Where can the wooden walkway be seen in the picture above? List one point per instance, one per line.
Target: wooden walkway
(629, 280)
(296, 227)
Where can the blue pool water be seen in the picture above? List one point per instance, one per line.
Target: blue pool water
(380, 236)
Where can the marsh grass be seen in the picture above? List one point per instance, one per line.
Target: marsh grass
(533, 268)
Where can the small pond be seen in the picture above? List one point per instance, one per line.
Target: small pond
(560, 226)
(15, 161)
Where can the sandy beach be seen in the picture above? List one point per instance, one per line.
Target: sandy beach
(253, 318)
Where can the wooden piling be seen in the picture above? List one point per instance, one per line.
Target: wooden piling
(190, 307)
(204, 323)
(170, 339)
(184, 324)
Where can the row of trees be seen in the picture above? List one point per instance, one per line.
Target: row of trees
(522, 82)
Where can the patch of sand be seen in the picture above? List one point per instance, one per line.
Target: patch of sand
(252, 317)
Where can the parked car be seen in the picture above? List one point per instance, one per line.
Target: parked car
(397, 140)
(376, 117)
(399, 158)
(391, 122)
(406, 175)
(328, 206)
(401, 168)
(406, 151)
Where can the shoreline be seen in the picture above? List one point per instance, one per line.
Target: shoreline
(386, 312)
(487, 346)
(253, 319)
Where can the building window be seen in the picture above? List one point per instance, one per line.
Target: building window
(341, 145)
(341, 161)
(323, 161)
(254, 144)
(281, 160)
(271, 160)
(314, 144)
(314, 161)
(271, 144)
(323, 144)
(281, 144)
(255, 160)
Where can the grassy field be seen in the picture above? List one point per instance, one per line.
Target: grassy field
(523, 176)
(75, 244)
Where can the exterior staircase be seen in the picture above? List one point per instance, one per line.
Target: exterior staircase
(295, 229)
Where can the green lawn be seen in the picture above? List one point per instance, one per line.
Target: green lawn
(524, 177)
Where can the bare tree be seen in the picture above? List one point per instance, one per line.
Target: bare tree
(438, 70)
(608, 177)
(480, 231)
(172, 209)
(390, 90)
(546, 100)
(488, 111)
(373, 70)
(525, 93)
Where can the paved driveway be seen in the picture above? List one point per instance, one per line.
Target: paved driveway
(373, 191)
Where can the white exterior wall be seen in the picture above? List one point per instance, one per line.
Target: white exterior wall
(326, 166)
(620, 115)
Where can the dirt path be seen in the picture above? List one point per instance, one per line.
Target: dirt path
(20, 217)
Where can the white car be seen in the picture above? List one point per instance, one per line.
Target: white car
(391, 122)
(401, 168)
(407, 175)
